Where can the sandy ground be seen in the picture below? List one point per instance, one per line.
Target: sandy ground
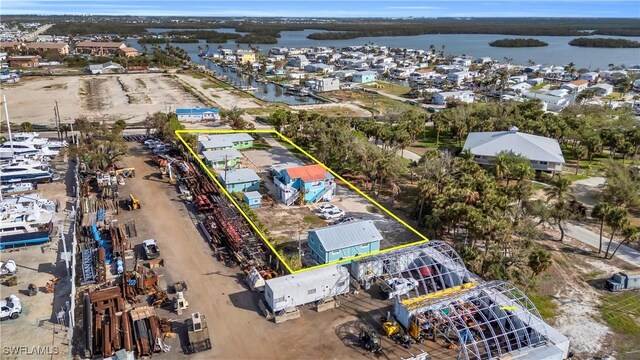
(344, 109)
(105, 97)
(237, 329)
(37, 265)
(225, 98)
(587, 190)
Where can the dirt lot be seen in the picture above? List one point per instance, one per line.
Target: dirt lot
(237, 329)
(225, 98)
(38, 265)
(106, 97)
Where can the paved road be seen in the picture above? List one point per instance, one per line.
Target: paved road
(34, 35)
(588, 237)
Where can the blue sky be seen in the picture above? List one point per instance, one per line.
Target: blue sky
(330, 8)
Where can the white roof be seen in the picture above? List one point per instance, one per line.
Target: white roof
(302, 280)
(533, 147)
(223, 140)
(346, 235)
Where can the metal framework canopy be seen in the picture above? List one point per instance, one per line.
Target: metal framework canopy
(485, 321)
(435, 265)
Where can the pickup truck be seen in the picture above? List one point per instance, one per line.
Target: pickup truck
(10, 308)
(397, 286)
(151, 250)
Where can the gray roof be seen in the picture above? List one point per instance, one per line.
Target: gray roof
(533, 147)
(253, 195)
(346, 235)
(238, 176)
(223, 140)
(222, 154)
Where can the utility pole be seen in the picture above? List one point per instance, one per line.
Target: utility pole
(58, 120)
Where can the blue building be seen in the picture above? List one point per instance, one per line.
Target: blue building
(239, 180)
(198, 114)
(313, 182)
(364, 77)
(222, 159)
(253, 199)
(343, 241)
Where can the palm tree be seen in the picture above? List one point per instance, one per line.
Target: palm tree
(600, 212)
(580, 152)
(631, 234)
(65, 128)
(560, 190)
(539, 261)
(501, 166)
(26, 127)
(617, 218)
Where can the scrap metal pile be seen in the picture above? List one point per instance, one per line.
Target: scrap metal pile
(225, 228)
(115, 327)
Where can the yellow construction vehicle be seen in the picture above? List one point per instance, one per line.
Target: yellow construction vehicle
(134, 203)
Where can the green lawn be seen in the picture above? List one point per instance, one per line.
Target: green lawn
(428, 139)
(621, 312)
(545, 305)
(538, 87)
(389, 88)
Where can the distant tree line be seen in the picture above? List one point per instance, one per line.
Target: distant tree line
(530, 42)
(604, 43)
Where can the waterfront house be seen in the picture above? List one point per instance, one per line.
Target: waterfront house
(516, 79)
(520, 88)
(535, 81)
(239, 180)
(246, 57)
(343, 241)
(222, 159)
(106, 68)
(313, 182)
(198, 114)
(441, 98)
(99, 48)
(61, 48)
(253, 199)
(323, 84)
(26, 61)
(544, 153)
(237, 141)
(364, 77)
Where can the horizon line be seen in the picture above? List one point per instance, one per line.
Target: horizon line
(327, 17)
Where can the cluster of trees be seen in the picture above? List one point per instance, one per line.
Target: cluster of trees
(99, 146)
(531, 42)
(164, 126)
(210, 36)
(604, 43)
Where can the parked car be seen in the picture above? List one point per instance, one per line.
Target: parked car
(343, 220)
(333, 214)
(150, 140)
(328, 208)
(10, 308)
(151, 250)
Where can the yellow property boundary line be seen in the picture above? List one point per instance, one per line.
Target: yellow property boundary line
(255, 228)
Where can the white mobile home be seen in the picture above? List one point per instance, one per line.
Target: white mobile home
(288, 292)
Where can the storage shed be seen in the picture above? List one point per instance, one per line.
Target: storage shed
(288, 292)
(344, 241)
(239, 180)
(253, 199)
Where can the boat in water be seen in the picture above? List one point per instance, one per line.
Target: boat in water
(24, 226)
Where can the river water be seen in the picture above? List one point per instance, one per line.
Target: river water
(559, 52)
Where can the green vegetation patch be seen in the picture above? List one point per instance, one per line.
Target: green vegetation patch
(530, 42)
(604, 43)
(622, 313)
(546, 306)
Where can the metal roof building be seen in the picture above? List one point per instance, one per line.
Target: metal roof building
(544, 153)
(344, 241)
(217, 158)
(239, 180)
